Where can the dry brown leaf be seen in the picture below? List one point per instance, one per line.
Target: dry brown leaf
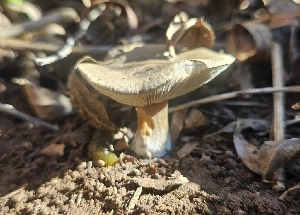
(283, 19)
(282, 13)
(270, 156)
(131, 17)
(190, 33)
(198, 34)
(247, 152)
(177, 28)
(47, 104)
(90, 108)
(249, 42)
(275, 154)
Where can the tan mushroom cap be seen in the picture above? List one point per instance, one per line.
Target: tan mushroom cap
(154, 81)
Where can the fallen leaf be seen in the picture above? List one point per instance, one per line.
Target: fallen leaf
(249, 42)
(190, 33)
(90, 108)
(275, 154)
(247, 152)
(47, 104)
(131, 16)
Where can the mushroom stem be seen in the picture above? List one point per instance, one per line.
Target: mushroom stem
(152, 138)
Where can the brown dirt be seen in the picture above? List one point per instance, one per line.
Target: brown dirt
(70, 184)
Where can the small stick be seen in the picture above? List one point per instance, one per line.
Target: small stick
(22, 46)
(235, 94)
(14, 192)
(60, 15)
(278, 105)
(70, 43)
(135, 197)
(278, 97)
(12, 111)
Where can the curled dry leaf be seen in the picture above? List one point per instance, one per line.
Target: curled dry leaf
(249, 42)
(275, 154)
(89, 107)
(284, 19)
(47, 104)
(246, 151)
(267, 158)
(131, 16)
(190, 33)
(92, 110)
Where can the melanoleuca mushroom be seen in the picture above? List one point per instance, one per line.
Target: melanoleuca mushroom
(148, 85)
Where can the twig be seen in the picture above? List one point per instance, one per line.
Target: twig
(244, 103)
(278, 97)
(278, 104)
(14, 192)
(135, 197)
(235, 94)
(20, 45)
(11, 110)
(60, 15)
(63, 52)
(83, 26)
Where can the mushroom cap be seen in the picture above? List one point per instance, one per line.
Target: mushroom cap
(153, 81)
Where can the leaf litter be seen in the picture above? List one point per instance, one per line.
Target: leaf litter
(216, 164)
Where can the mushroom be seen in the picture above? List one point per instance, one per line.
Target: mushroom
(148, 85)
